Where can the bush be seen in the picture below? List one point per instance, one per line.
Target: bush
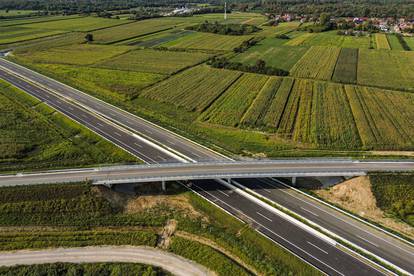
(259, 68)
(224, 29)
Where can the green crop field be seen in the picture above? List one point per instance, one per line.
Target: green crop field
(384, 118)
(33, 136)
(230, 107)
(410, 42)
(382, 41)
(388, 69)
(12, 13)
(394, 43)
(153, 61)
(133, 30)
(34, 20)
(207, 41)
(194, 89)
(269, 50)
(300, 39)
(346, 66)
(82, 24)
(332, 39)
(17, 34)
(318, 62)
(123, 83)
(75, 54)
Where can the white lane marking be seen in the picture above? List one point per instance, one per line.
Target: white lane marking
(70, 108)
(117, 134)
(148, 131)
(45, 95)
(263, 188)
(138, 145)
(223, 193)
(317, 247)
(263, 216)
(162, 158)
(171, 142)
(59, 102)
(101, 125)
(337, 217)
(310, 212)
(367, 241)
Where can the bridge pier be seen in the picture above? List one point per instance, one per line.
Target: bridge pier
(294, 181)
(163, 186)
(229, 180)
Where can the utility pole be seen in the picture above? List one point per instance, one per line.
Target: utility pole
(225, 10)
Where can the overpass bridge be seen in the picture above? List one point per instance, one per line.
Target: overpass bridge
(208, 170)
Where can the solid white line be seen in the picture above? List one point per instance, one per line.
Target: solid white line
(316, 215)
(317, 247)
(162, 158)
(138, 145)
(260, 214)
(367, 241)
(117, 134)
(100, 124)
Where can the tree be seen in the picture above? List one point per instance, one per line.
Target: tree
(324, 19)
(89, 38)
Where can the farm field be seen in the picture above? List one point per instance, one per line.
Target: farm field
(318, 63)
(34, 20)
(82, 24)
(388, 69)
(410, 42)
(33, 136)
(124, 84)
(133, 30)
(382, 41)
(13, 13)
(81, 54)
(192, 85)
(271, 51)
(394, 43)
(346, 66)
(331, 38)
(299, 39)
(153, 61)
(153, 40)
(17, 34)
(233, 18)
(207, 41)
(231, 106)
(378, 123)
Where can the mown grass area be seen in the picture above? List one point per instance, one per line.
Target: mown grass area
(10, 35)
(75, 216)
(153, 61)
(317, 63)
(272, 51)
(394, 43)
(81, 54)
(207, 41)
(389, 69)
(128, 269)
(133, 30)
(81, 24)
(395, 195)
(33, 136)
(121, 84)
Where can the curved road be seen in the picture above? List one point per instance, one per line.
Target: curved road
(175, 264)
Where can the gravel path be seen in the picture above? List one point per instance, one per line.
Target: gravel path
(146, 255)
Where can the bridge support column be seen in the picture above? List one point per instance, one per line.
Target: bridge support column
(163, 186)
(229, 180)
(294, 181)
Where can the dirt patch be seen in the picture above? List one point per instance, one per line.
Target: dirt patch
(117, 200)
(356, 196)
(164, 238)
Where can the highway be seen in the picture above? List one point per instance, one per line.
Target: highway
(207, 170)
(330, 259)
(358, 233)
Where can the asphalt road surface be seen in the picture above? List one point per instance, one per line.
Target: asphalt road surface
(330, 259)
(190, 171)
(127, 254)
(375, 241)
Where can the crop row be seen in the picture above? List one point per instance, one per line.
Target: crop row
(346, 66)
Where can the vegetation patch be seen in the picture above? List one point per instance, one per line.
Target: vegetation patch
(194, 89)
(154, 61)
(82, 54)
(317, 63)
(224, 29)
(39, 138)
(84, 269)
(382, 41)
(10, 35)
(346, 66)
(395, 43)
(332, 39)
(389, 69)
(395, 195)
(206, 41)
